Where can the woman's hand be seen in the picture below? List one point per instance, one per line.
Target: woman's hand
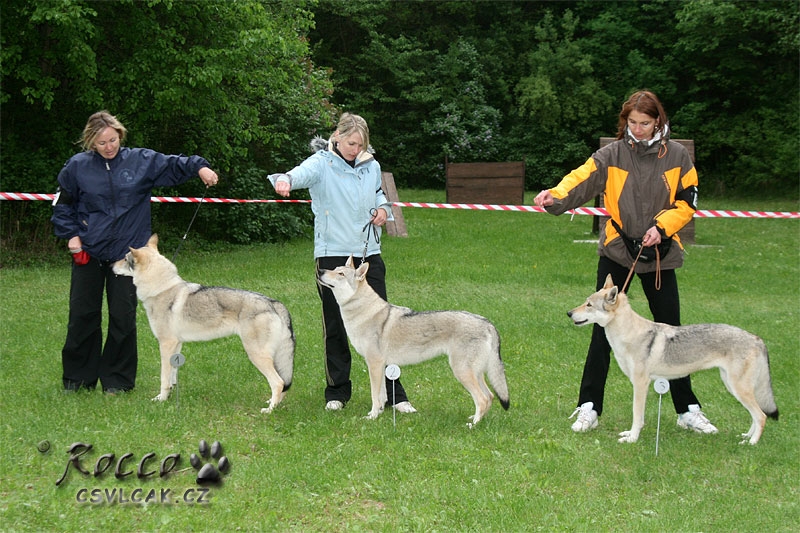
(208, 176)
(652, 237)
(284, 188)
(379, 219)
(543, 199)
(75, 244)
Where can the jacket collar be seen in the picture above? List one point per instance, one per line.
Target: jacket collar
(660, 137)
(318, 144)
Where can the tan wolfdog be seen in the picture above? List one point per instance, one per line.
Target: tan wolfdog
(180, 311)
(387, 334)
(647, 350)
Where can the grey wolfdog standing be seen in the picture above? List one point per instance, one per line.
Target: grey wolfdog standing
(646, 350)
(180, 311)
(387, 334)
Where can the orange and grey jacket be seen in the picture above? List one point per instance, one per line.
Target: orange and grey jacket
(643, 186)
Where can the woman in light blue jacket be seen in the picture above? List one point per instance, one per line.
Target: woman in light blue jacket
(349, 207)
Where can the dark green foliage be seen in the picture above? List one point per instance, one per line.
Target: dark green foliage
(546, 80)
(246, 84)
(231, 81)
(242, 223)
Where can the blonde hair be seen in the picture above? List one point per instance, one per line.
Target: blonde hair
(349, 124)
(95, 126)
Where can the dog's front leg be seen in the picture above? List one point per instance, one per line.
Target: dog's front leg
(376, 366)
(640, 383)
(169, 373)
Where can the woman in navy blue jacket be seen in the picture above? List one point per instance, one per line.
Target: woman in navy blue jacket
(102, 208)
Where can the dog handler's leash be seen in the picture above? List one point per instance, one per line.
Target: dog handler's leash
(372, 212)
(178, 249)
(633, 266)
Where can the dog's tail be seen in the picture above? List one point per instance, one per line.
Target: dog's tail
(763, 383)
(497, 373)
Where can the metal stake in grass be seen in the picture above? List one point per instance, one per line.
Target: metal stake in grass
(661, 386)
(176, 360)
(393, 372)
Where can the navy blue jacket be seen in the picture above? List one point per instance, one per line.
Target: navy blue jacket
(107, 202)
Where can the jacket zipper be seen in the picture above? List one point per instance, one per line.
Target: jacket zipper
(113, 202)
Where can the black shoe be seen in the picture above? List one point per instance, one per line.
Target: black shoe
(113, 391)
(74, 386)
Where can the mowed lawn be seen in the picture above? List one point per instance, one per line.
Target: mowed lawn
(301, 468)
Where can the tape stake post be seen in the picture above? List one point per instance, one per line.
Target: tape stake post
(661, 386)
(176, 361)
(393, 372)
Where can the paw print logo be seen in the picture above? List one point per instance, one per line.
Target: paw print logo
(209, 474)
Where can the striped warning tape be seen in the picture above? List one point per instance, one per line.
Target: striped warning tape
(594, 211)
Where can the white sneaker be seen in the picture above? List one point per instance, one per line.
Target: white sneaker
(695, 420)
(405, 407)
(334, 405)
(587, 418)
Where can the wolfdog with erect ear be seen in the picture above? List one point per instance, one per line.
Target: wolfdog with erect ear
(646, 350)
(387, 334)
(180, 311)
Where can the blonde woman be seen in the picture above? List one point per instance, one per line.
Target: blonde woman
(102, 208)
(349, 207)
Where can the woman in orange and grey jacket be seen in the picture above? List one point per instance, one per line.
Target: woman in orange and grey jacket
(649, 187)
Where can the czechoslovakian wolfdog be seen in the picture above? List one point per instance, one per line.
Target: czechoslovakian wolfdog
(180, 311)
(387, 334)
(647, 350)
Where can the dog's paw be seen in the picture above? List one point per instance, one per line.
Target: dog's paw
(473, 421)
(748, 439)
(209, 473)
(161, 397)
(628, 436)
(372, 415)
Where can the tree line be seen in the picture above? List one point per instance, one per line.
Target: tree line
(247, 84)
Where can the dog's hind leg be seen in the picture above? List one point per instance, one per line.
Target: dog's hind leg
(476, 386)
(169, 373)
(742, 390)
(261, 358)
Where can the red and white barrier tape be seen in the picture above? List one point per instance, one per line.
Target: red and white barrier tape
(594, 211)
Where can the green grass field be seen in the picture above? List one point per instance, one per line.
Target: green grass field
(304, 469)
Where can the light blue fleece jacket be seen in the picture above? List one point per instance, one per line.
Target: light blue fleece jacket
(341, 199)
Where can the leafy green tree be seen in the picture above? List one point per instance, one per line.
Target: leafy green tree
(561, 97)
(741, 77)
(553, 74)
(434, 79)
(232, 81)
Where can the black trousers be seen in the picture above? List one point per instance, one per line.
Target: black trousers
(84, 357)
(664, 306)
(337, 349)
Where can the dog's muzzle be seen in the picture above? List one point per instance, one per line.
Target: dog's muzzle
(320, 273)
(576, 322)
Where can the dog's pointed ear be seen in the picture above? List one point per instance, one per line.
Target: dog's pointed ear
(152, 242)
(611, 297)
(349, 262)
(361, 271)
(609, 282)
